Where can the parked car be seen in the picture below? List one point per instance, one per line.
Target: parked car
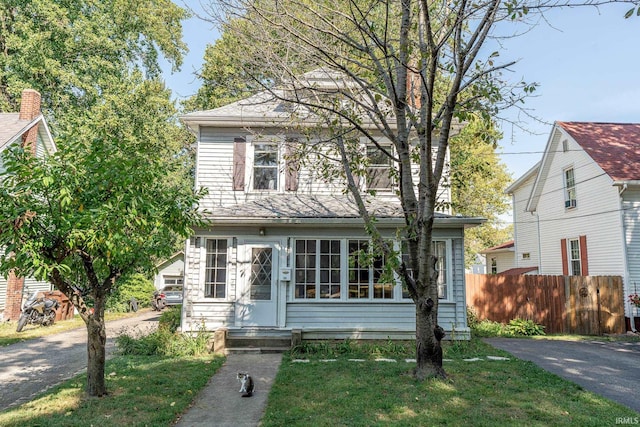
(173, 294)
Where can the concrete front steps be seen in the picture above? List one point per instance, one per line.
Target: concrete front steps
(254, 340)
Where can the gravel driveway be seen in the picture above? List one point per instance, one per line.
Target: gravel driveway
(30, 367)
(610, 369)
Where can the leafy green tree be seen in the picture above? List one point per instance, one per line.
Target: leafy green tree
(101, 207)
(478, 180)
(69, 51)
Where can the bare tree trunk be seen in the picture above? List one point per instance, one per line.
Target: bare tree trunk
(428, 343)
(96, 353)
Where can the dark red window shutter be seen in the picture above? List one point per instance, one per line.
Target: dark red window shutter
(239, 162)
(584, 263)
(563, 252)
(291, 166)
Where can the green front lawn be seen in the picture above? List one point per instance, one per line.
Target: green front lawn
(154, 391)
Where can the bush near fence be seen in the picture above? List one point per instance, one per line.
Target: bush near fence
(586, 305)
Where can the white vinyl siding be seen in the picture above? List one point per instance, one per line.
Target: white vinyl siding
(214, 171)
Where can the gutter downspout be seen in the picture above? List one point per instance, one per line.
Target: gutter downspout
(628, 307)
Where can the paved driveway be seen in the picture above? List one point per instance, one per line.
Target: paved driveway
(610, 369)
(30, 367)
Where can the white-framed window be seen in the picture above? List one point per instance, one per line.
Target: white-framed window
(441, 249)
(494, 265)
(172, 280)
(526, 255)
(366, 272)
(379, 168)
(318, 269)
(575, 264)
(569, 189)
(265, 169)
(215, 282)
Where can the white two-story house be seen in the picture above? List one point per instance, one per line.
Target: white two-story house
(577, 212)
(280, 249)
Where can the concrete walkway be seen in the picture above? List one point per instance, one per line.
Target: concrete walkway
(220, 404)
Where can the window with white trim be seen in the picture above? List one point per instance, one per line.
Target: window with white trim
(173, 280)
(215, 282)
(569, 189)
(379, 169)
(494, 265)
(439, 248)
(575, 264)
(265, 166)
(317, 269)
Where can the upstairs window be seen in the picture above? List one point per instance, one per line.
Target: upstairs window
(570, 189)
(265, 166)
(379, 169)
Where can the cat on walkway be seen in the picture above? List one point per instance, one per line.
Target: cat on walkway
(247, 387)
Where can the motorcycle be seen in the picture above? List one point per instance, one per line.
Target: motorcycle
(38, 310)
(158, 302)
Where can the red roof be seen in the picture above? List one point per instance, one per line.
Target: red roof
(615, 147)
(518, 271)
(505, 245)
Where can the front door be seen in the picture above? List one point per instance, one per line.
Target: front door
(258, 301)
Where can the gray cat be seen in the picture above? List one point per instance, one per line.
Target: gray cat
(247, 387)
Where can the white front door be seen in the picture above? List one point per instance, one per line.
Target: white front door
(257, 304)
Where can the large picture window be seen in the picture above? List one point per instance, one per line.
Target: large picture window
(439, 248)
(215, 283)
(317, 270)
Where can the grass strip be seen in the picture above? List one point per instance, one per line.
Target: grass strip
(482, 393)
(143, 391)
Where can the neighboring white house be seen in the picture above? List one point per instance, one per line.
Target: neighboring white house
(577, 211)
(277, 250)
(499, 258)
(170, 271)
(29, 129)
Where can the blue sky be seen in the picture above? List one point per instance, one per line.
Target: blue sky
(586, 61)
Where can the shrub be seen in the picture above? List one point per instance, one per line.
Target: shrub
(133, 286)
(522, 327)
(472, 317)
(515, 328)
(170, 318)
(164, 342)
(487, 328)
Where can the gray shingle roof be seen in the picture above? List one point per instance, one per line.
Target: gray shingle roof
(11, 127)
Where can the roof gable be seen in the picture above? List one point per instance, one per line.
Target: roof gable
(12, 128)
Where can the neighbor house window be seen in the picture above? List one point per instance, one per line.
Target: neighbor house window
(575, 265)
(265, 166)
(379, 169)
(172, 280)
(494, 265)
(317, 269)
(526, 255)
(570, 189)
(215, 282)
(358, 269)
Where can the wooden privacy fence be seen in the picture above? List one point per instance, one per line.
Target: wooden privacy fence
(586, 305)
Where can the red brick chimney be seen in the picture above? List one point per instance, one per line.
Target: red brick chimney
(29, 110)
